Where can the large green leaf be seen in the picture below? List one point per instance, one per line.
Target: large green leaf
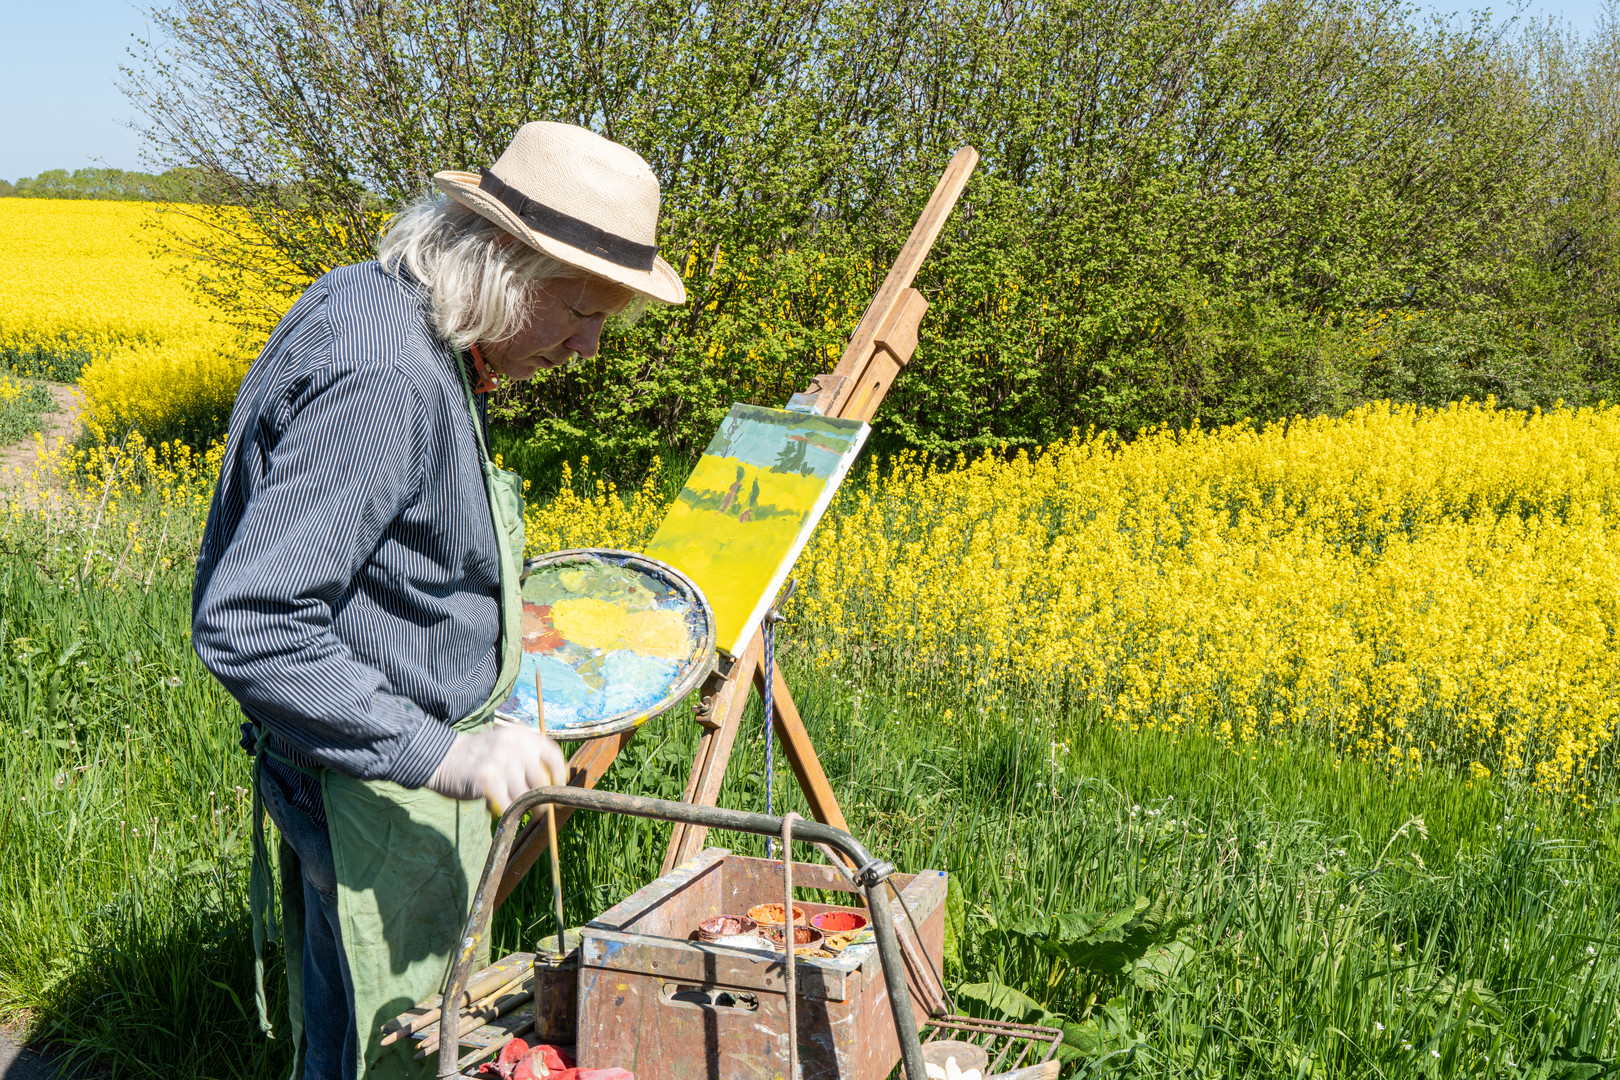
(1164, 967)
(1101, 944)
(1005, 1002)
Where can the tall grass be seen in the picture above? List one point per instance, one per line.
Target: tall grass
(123, 817)
(1183, 907)
(1313, 919)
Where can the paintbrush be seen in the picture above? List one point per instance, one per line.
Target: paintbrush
(479, 1013)
(551, 828)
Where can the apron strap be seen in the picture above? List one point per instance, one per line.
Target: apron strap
(261, 909)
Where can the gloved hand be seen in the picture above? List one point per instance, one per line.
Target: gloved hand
(498, 765)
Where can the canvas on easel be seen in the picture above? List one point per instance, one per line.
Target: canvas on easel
(750, 505)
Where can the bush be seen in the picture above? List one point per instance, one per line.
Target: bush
(1172, 194)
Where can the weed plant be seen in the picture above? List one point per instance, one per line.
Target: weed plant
(21, 405)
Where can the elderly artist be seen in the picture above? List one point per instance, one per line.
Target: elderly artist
(357, 585)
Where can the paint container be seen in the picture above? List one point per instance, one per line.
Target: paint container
(747, 942)
(726, 926)
(837, 943)
(773, 915)
(839, 922)
(806, 939)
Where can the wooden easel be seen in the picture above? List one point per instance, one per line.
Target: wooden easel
(881, 345)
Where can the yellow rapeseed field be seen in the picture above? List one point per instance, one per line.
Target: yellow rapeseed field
(80, 282)
(83, 268)
(1409, 586)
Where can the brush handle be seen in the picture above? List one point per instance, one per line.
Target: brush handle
(556, 878)
(551, 829)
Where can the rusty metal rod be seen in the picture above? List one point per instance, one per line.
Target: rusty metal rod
(870, 874)
(551, 829)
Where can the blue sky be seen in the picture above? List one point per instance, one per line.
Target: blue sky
(60, 107)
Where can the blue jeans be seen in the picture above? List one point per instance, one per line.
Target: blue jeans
(329, 1037)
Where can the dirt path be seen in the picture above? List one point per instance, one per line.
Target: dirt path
(63, 420)
(18, 1062)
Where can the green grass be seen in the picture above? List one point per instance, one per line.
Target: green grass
(60, 360)
(19, 417)
(1293, 920)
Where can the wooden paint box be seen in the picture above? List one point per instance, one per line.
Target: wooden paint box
(656, 1001)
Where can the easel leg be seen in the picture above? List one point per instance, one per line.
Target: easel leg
(714, 751)
(586, 768)
(801, 752)
(713, 755)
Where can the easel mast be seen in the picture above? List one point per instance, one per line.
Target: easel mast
(881, 345)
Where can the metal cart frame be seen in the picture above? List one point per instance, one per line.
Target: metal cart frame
(870, 875)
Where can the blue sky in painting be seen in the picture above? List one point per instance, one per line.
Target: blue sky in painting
(750, 435)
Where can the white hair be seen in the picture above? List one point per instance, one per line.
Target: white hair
(477, 278)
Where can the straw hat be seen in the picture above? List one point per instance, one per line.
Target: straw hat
(580, 198)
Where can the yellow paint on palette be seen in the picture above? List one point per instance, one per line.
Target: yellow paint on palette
(598, 624)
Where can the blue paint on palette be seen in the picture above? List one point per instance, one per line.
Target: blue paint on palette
(630, 683)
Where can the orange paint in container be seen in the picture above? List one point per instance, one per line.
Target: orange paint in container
(769, 914)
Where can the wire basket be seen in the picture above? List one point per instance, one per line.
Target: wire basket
(1009, 1046)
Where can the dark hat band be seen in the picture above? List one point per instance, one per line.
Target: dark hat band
(567, 229)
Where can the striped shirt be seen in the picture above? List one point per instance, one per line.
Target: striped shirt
(347, 590)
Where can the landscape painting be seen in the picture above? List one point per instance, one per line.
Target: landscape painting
(748, 508)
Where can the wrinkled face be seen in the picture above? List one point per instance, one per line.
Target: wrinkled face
(565, 320)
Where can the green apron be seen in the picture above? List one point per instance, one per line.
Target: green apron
(407, 861)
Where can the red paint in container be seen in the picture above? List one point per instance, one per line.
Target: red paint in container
(839, 922)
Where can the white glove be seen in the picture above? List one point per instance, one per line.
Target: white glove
(498, 765)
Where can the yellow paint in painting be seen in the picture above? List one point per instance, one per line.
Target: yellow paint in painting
(731, 560)
(597, 624)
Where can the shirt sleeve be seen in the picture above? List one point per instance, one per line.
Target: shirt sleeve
(345, 463)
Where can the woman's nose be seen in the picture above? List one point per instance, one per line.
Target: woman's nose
(587, 338)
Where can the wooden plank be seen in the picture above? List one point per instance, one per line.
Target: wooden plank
(868, 391)
(899, 334)
(714, 751)
(673, 960)
(904, 269)
(586, 768)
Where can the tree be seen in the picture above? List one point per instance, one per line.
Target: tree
(1187, 211)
